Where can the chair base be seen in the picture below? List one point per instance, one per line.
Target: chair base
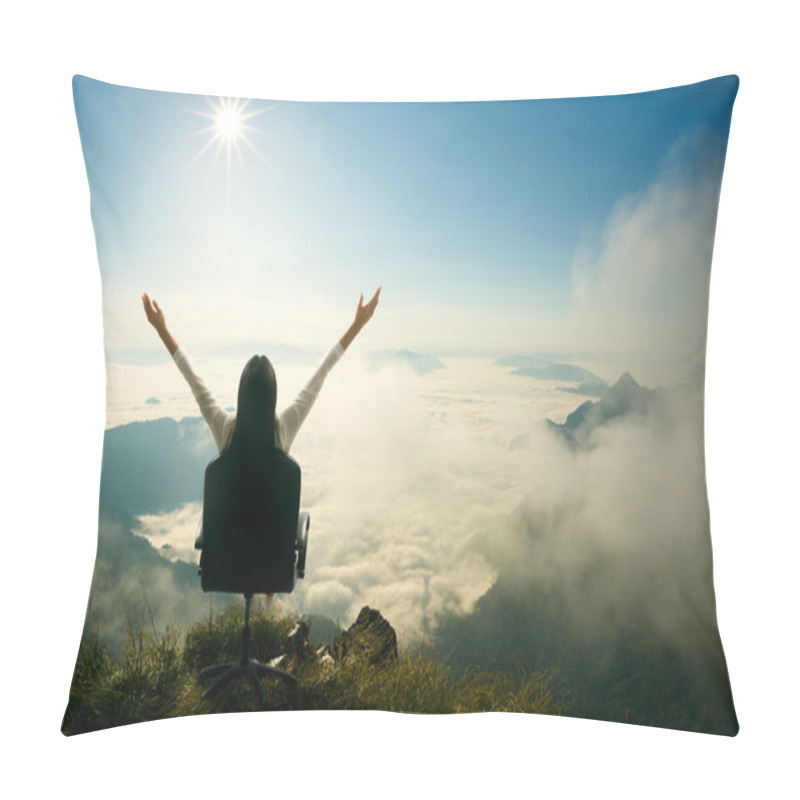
(245, 667)
(253, 671)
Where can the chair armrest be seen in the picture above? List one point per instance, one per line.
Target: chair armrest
(303, 524)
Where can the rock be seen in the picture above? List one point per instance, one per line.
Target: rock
(369, 638)
(297, 640)
(294, 648)
(325, 657)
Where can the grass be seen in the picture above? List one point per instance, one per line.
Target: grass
(156, 677)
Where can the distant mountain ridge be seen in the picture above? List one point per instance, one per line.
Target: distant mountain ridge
(545, 368)
(596, 388)
(155, 466)
(557, 372)
(625, 398)
(420, 363)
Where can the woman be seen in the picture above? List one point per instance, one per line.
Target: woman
(255, 428)
(255, 418)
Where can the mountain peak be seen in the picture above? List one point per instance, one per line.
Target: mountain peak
(626, 381)
(624, 398)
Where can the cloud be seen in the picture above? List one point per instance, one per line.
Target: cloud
(400, 471)
(173, 534)
(403, 475)
(621, 530)
(603, 575)
(329, 598)
(640, 288)
(133, 589)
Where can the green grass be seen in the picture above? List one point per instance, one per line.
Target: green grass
(156, 677)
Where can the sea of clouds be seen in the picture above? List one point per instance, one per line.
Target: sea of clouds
(404, 473)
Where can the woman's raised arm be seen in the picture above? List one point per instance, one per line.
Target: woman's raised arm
(363, 316)
(155, 316)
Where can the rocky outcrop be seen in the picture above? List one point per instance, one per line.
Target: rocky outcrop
(297, 640)
(370, 638)
(294, 649)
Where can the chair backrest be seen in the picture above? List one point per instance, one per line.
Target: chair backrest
(250, 525)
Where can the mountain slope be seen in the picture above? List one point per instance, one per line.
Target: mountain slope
(626, 399)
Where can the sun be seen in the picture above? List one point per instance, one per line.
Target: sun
(230, 125)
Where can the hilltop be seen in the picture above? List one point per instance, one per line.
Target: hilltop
(156, 677)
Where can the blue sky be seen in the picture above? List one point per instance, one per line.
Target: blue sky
(465, 207)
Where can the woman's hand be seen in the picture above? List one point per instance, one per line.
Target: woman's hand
(155, 316)
(363, 316)
(364, 312)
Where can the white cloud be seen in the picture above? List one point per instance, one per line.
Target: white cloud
(329, 598)
(173, 534)
(400, 471)
(621, 531)
(641, 288)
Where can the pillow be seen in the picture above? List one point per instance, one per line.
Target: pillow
(485, 323)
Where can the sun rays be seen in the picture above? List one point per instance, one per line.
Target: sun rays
(229, 128)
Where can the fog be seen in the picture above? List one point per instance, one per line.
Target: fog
(620, 530)
(640, 284)
(423, 489)
(399, 471)
(134, 591)
(173, 534)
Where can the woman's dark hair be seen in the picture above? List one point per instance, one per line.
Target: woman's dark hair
(254, 432)
(252, 448)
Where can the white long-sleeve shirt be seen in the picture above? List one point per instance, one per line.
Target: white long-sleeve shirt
(287, 423)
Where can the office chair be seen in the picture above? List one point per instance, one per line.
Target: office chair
(253, 541)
